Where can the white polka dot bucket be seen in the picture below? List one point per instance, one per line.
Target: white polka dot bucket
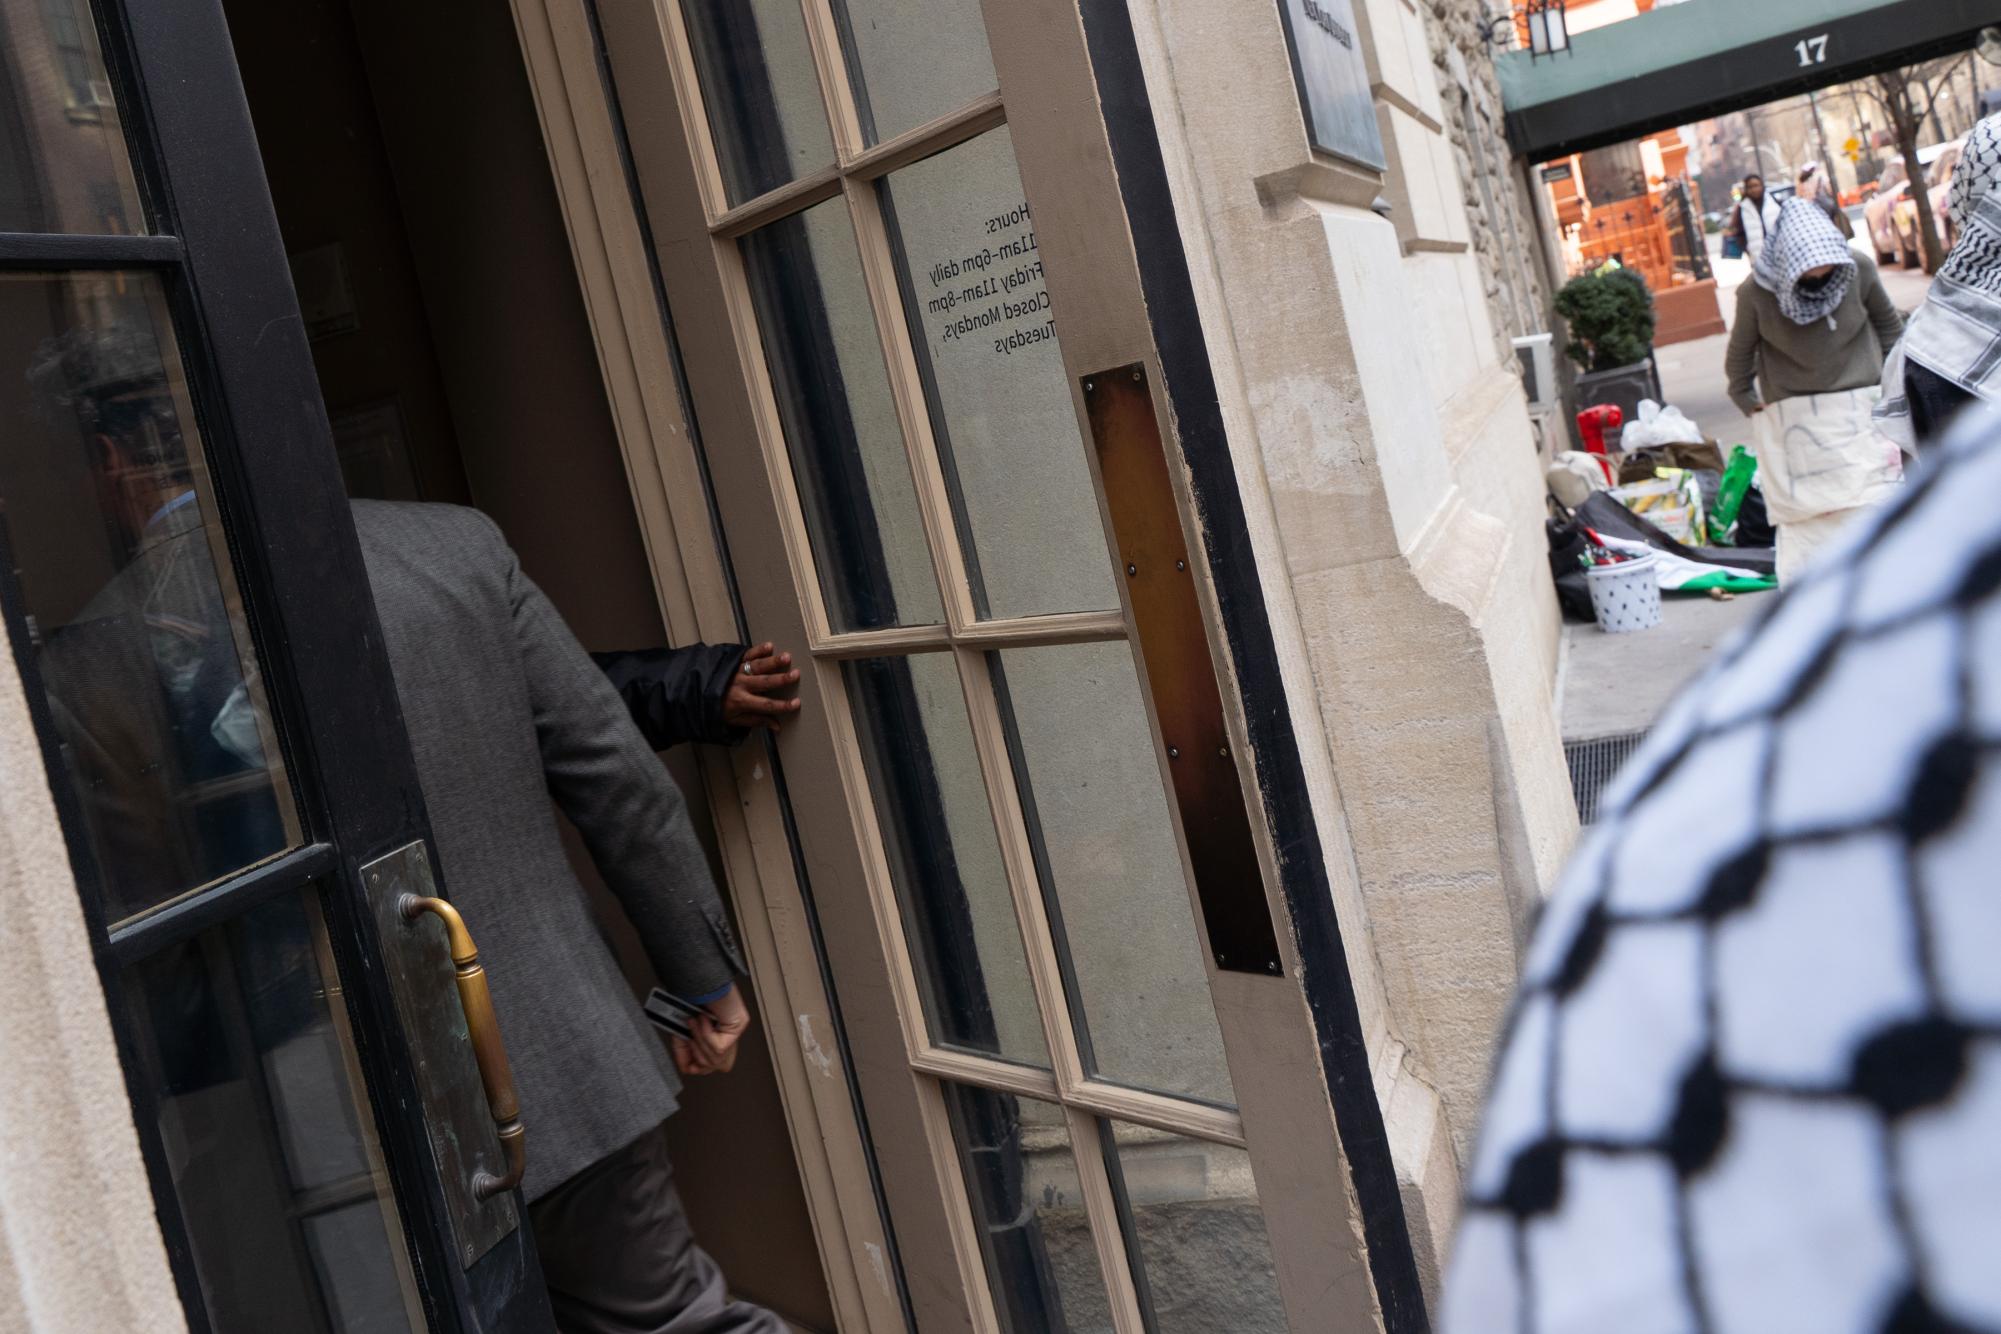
(1626, 597)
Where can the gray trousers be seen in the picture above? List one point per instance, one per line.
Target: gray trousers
(618, 1256)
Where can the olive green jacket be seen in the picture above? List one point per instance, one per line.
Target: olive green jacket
(1772, 358)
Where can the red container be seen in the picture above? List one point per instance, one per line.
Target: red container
(1593, 423)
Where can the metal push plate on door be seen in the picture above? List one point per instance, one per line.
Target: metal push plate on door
(456, 1117)
(1174, 644)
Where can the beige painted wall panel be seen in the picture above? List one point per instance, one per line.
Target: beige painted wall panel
(1390, 351)
(1523, 626)
(1407, 702)
(1424, 92)
(1457, 339)
(1417, 601)
(1398, 55)
(1427, 178)
(81, 1248)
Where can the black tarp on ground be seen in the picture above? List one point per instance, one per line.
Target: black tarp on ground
(1606, 515)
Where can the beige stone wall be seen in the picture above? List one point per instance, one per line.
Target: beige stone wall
(79, 1248)
(1391, 466)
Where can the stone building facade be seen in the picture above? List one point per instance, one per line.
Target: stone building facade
(1384, 411)
(1501, 202)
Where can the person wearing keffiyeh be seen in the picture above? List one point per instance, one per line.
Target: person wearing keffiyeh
(1751, 1081)
(1806, 356)
(1951, 354)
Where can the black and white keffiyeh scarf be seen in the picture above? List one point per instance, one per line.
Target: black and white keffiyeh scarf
(1752, 1079)
(1956, 334)
(1804, 240)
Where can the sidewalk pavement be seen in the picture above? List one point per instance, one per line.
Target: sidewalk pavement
(1616, 685)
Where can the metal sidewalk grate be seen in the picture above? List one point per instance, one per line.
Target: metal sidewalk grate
(1592, 764)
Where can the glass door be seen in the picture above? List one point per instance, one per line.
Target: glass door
(1050, 1041)
(184, 594)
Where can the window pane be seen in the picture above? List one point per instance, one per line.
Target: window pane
(766, 112)
(63, 165)
(1105, 851)
(1195, 1234)
(840, 421)
(140, 632)
(363, 1295)
(913, 60)
(1029, 1211)
(242, 1043)
(939, 831)
(1000, 401)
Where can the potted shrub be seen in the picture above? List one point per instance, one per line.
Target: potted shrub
(1611, 318)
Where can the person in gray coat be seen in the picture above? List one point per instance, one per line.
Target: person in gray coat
(505, 710)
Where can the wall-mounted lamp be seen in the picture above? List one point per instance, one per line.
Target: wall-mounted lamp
(1546, 22)
(1549, 27)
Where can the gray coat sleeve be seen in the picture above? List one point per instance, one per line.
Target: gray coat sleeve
(1740, 362)
(1883, 315)
(626, 805)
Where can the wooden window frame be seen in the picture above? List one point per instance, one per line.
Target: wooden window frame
(853, 177)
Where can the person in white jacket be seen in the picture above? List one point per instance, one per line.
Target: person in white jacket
(1757, 214)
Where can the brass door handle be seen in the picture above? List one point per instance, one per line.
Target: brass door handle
(487, 1047)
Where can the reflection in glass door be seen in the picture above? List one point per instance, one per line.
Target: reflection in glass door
(967, 626)
(183, 595)
(169, 754)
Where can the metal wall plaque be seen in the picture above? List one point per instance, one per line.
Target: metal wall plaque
(418, 961)
(1160, 580)
(1333, 79)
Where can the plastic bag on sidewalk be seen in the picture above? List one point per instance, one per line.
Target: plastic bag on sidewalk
(1672, 502)
(1573, 475)
(1659, 426)
(1730, 496)
(1642, 465)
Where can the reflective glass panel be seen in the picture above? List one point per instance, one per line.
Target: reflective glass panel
(766, 112)
(938, 830)
(1107, 857)
(139, 630)
(840, 422)
(1029, 1211)
(912, 61)
(63, 164)
(1000, 400)
(242, 1039)
(1196, 1236)
(363, 1295)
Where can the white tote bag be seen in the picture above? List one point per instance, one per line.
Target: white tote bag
(1821, 461)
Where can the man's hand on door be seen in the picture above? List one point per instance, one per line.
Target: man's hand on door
(713, 1050)
(753, 701)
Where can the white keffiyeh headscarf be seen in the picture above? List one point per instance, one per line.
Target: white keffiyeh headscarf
(1752, 1079)
(1805, 239)
(1956, 334)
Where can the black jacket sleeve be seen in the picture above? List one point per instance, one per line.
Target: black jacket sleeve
(675, 694)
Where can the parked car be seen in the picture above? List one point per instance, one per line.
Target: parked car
(1938, 177)
(1881, 210)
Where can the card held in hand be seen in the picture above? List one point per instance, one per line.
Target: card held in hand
(673, 1014)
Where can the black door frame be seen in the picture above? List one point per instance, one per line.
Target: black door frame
(218, 252)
